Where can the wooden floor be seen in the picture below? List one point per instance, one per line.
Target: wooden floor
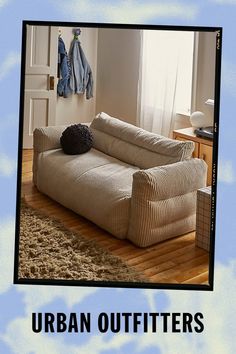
(173, 261)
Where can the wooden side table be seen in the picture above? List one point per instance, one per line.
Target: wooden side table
(203, 218)
(203, 147)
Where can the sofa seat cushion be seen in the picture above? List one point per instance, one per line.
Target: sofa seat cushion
(94, 185)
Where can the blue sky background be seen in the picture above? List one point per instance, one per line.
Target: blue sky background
(18, 302)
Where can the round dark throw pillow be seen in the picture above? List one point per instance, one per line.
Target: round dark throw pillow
(76, 139)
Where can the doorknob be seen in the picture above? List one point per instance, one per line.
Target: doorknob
(51, 82)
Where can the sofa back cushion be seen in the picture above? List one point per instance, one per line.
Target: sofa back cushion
(136, 146)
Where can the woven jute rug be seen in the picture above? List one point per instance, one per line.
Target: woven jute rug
(47, 250)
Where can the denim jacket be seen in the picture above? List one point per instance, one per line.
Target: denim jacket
(63, 86)
(81, 74)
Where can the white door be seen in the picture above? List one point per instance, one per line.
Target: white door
(40, 80)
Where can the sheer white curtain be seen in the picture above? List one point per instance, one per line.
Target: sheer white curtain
(160, 57)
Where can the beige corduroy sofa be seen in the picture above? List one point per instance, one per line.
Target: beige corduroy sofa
(132, 183)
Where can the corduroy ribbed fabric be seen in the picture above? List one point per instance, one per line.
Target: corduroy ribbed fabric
(163, 202)
(135, 145)
(107, 186)
(94, 185)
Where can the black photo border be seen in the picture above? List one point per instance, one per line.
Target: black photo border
(111, 284)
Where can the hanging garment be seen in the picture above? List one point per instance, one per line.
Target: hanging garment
(63, 86)
(81, 79)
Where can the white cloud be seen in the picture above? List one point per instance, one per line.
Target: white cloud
(217, 308)
(97, 344)
(7, 165)
(127, 11)
(229, 76)
(10, 61)
(150, 296)
(22, 340)
(7, 233)
(226, 172)
(4, 2)
(36, 296)
(225, 2)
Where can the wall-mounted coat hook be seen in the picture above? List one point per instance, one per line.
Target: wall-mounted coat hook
(77, 32)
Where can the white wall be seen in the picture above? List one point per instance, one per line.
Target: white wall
(77, 108)
(113, 55)
(181, 121)
(114, 58)
(117, 72)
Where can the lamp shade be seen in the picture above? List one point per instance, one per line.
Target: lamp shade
(197, 119)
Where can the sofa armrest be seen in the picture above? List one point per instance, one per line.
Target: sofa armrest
(168, 181)
(163, 201)
(48, 138)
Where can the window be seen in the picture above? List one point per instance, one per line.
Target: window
(165, 84)
(185, 75)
